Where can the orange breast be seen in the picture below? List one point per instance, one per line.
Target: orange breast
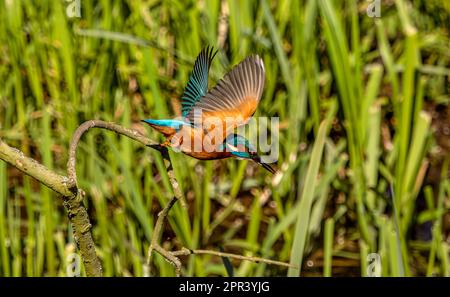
(209, 156)
(193, 142)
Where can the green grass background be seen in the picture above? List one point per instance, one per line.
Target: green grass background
(355, 96)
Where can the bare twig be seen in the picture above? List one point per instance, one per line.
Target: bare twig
(157, 232)
(67, 186)
(172, 257)
(74, 206)
(173, 181)
(54, 181)
(73, 197)
(81, 226)
(130, 133)
(185, 252)
(133, 134)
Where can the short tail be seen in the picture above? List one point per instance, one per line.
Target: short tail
(166, 127)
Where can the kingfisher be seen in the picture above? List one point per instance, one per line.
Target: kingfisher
(205, 130)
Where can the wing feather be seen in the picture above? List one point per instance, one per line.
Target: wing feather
(236, 95)
(197, 85)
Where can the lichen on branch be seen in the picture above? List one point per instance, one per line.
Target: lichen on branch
(67, 187)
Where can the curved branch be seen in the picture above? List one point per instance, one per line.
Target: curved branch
(173, 257)
(33, 168)
(130, 133)
(71, 163)
(73, 197)
(68, 189)
(137, 136)
(185, 252)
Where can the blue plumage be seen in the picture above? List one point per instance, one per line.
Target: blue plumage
(175, 124)
(197, 86)
(242, 155)
(236, 95)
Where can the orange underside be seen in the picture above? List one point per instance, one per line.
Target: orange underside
(194, 142)
(167, 131)
(217, 125)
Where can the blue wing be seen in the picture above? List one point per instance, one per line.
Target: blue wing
(197, 86)
(175, 124)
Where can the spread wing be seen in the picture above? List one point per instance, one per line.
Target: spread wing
(234, 99)
(197, 85)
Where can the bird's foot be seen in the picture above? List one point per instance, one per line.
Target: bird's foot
(160, 146)
(165, 143)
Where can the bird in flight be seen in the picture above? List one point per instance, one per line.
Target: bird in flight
(209, 117)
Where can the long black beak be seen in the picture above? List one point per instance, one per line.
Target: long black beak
(266, 166)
